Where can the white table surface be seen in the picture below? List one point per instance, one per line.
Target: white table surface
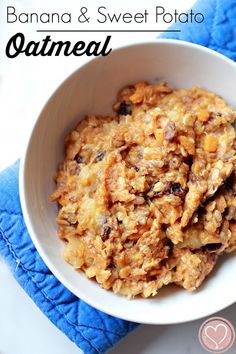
(25, 85)
(25, 330)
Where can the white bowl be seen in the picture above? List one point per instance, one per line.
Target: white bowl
(92, 89)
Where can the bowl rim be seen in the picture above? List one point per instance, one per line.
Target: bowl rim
(186, 317)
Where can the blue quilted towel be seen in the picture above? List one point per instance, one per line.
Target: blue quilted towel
(93, 331)
(218, 31)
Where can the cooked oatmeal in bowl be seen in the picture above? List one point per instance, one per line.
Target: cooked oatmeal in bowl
(145, 184)
(147, 195)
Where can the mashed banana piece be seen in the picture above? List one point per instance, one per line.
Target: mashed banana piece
(147, 195)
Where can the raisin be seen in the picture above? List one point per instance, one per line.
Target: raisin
(136, 168)
(213, 115)
(170, 131)
(177, 190)
(169, 243)
(100, 156)
(124, 109)
(188, 160)
(106, 232)
(78, 158)
(213, 247)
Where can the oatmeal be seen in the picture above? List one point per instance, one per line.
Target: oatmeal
(147, 195)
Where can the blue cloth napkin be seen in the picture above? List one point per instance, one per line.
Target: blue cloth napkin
(93, 331)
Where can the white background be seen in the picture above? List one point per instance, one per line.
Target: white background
(25, 85)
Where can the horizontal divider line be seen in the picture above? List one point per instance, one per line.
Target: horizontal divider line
(109, 31)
